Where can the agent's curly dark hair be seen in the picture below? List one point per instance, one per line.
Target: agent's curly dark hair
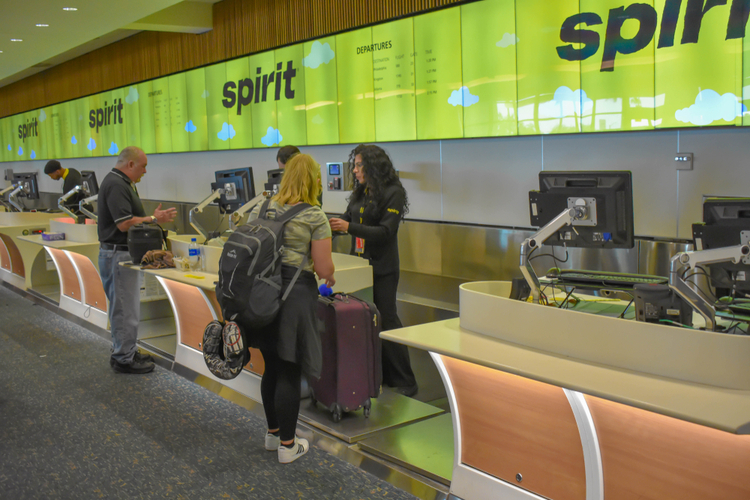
(379, 174)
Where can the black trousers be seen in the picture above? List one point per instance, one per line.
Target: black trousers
(280, 392)
(397, 370)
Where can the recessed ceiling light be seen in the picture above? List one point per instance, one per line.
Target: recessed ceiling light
(16, 40)
(42, 25)
(69, 8)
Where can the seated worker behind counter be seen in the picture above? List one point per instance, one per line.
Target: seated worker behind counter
(71, 178)
(376, 208)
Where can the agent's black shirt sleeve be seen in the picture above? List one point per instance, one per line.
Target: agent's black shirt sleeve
(377, 225)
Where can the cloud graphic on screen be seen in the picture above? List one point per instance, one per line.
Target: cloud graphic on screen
(20, 151)
(272, 137)
(42, 116)
(710, 107)
(320, 53)
(73, 140)
(33, 154)
(205, 94)
(132, 96)
(507, 40)
(227, 132)
(462, 97)
(113, 149)
(91, 145)
(566, 102)
(190, 127)
(317, 119)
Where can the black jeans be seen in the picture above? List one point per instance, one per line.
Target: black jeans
(397, 370)
(280, 391)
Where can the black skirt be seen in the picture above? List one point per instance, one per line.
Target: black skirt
(295, 333)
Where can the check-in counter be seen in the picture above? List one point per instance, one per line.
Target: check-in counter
(565, 404)
(193, 300)
(76, 259)
(23, 264)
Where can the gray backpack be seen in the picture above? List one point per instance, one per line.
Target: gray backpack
(249, 288)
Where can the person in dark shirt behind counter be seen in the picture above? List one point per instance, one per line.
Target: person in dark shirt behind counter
(376, 208)
(71, 178)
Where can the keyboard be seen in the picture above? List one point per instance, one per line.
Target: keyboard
(602, 278)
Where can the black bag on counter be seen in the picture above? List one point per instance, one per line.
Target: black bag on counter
(142, 238)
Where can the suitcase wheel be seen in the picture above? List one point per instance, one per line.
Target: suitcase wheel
(337, 412)
(366, 407)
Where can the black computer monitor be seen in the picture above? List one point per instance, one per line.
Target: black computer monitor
(29, 182)
(274, 179)
(88, 183)
(726, 223)
(608, 195)
(238, 185)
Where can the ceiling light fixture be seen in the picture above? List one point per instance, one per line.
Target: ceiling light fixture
(69, 8)
(42, 25)
(16, 40)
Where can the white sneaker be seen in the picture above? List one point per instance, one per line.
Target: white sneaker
(272, 442)
(288, 455)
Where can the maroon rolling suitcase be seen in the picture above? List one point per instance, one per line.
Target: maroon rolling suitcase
(352, 371)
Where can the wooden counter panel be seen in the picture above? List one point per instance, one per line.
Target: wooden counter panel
(191, 312)
(650, 456)
(93, 288)
(16, 262)
(4, 256)
(256, 364)
(69, 285)
(511, 425)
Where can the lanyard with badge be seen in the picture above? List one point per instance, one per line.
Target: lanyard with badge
(359, 243)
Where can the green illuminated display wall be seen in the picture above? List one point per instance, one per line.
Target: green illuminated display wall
(486, 69)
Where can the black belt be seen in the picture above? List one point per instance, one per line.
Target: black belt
(112, 246)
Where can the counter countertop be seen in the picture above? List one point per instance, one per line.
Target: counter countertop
(60, 244)
(724, 409)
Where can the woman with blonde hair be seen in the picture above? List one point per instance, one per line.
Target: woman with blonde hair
(291, 344)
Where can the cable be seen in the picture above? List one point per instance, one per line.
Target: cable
(622, 315)
(552, 255)
(698, 271)
(565, 300)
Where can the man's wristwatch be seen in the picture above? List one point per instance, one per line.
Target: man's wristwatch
(153, 218)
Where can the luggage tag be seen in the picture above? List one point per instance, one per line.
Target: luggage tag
(359, 245)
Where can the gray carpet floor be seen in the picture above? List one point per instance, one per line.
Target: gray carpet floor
(71, 428)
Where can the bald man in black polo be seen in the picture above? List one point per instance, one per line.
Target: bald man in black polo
(120, 208)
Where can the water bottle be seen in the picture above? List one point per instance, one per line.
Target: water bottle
(194, 255)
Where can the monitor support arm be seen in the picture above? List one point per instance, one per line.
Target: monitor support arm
(691, 260)
(236, 216)
(565, 218)
(61, 201)
(199, 209)
(12, 197)
(82, 207)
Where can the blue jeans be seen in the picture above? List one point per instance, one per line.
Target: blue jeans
(122, 287)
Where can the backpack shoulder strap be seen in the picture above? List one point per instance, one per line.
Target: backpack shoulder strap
(289, 214)
(296, 275)
(264, 209)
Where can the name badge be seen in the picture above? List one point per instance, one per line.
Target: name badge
(359, 245)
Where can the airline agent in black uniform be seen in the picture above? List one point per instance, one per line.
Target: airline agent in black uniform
(376, 208)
